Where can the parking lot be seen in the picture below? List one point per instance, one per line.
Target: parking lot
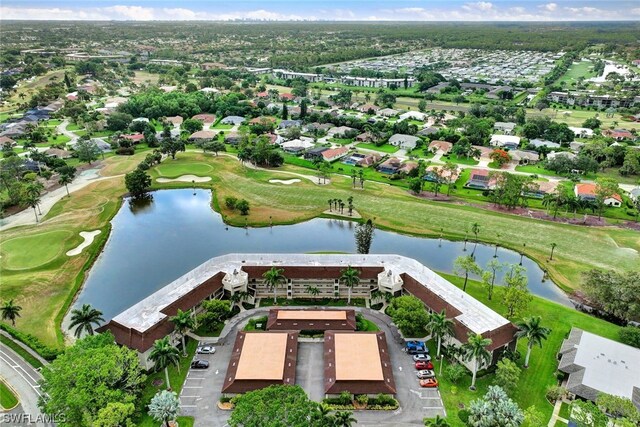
(201, 390)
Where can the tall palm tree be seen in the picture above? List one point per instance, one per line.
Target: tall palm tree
(439, 327)
(312, 290)
(274, 278)
(84, 319)
(475, 229)
(65, 180)
(344, 419)
(10, 311)
(475, 349)
(350, 277)
(323, 414)
(534, 333)
(438, 421)
(183, 322)
(553, 248)
(164, 354)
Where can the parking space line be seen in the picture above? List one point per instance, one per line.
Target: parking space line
(193, 386)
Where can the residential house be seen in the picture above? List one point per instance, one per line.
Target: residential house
(634, 193)
(202, 135)
(206, 119)
(364, 137)
(618, 134)
(58, 153)
(104, 146)
(232, 120)
(315, 154)
(506, 127)
(285, 124)
(360, 159)
(390, 166)
(296, 146)
(582, 132)
(135, 138)
(537, 143)
(262, 120)
(597, 365)
(443, 146)
(552, 155)
(524, 157)
(287, 97)
(341, 131)
(413, 115)
(510, 142)
(232, 138)
(430, 130)
(274, 138)
(542, 188)
(485, 152)
(576, 146)
(5, 140)
(407, 167)
(367, 108)
(334, 154)
(408, 142)
(441, 175)
(388, 112)
(479, 179)
(587, 191)
(175, 120)
(140, 119)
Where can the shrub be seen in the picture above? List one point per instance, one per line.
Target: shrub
(630, 335)
(243, 207)
(230, 202)
(454, 373)
(225, 399)
(555, 392)
(33, 342)
(362, 399)
(345, 398)
(125, 151)
(464, 416)
(383, 400)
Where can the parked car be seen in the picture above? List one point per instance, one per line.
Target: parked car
(424, 374)
(424, 365)
(206, 349)
(413, 347)
(422, 357)
(429, 383)
(199, 364)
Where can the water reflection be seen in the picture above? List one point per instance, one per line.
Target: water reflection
(153, 244)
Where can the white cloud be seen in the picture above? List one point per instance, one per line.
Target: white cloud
(550, 7)
(481, 5)
(56, 14)
(635, 11)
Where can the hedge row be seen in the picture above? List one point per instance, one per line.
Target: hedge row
(34, 343)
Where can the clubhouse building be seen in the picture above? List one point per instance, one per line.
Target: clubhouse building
(308, 276)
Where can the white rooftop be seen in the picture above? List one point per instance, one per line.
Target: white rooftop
(475, 315)
(609, 366)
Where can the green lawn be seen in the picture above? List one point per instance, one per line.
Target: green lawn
(341, 141)
(8, 399)
(43, 248)
(535, 170)
(577, 70)
(221, 126)
(204, 332)
(368, 326)
(386, 148)
(533, 381)
(565, 410)
(176, 378)
(460, 160)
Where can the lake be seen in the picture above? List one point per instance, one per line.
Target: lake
(154, 244)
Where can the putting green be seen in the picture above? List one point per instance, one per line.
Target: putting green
(168, 169)
(33, 251)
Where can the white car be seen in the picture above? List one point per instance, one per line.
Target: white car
(421, 357)
(206, 349)
(424, 374)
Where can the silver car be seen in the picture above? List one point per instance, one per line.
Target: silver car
(421, 357)
(206, 349)
(424, 374)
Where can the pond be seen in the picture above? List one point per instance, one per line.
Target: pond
(154, 244)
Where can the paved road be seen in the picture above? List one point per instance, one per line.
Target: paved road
(24, 379)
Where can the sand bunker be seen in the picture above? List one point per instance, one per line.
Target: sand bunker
(284, 181)
(186, 178)
(88, 237)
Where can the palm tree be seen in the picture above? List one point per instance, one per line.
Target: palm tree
(274, 278)
(182, 322)
(531, 329)
(475, 349)
(436, 422)
(164, 354)
(475, 229)
(312, 290)
(553, 247)
(10, 311)
(65, 179)
(344, 419)
(465, 265)
(350, 277)
(323, 414)
(330, 204)
(84, 319)
(439, 327)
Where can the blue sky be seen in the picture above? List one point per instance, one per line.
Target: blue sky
(366, 10)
